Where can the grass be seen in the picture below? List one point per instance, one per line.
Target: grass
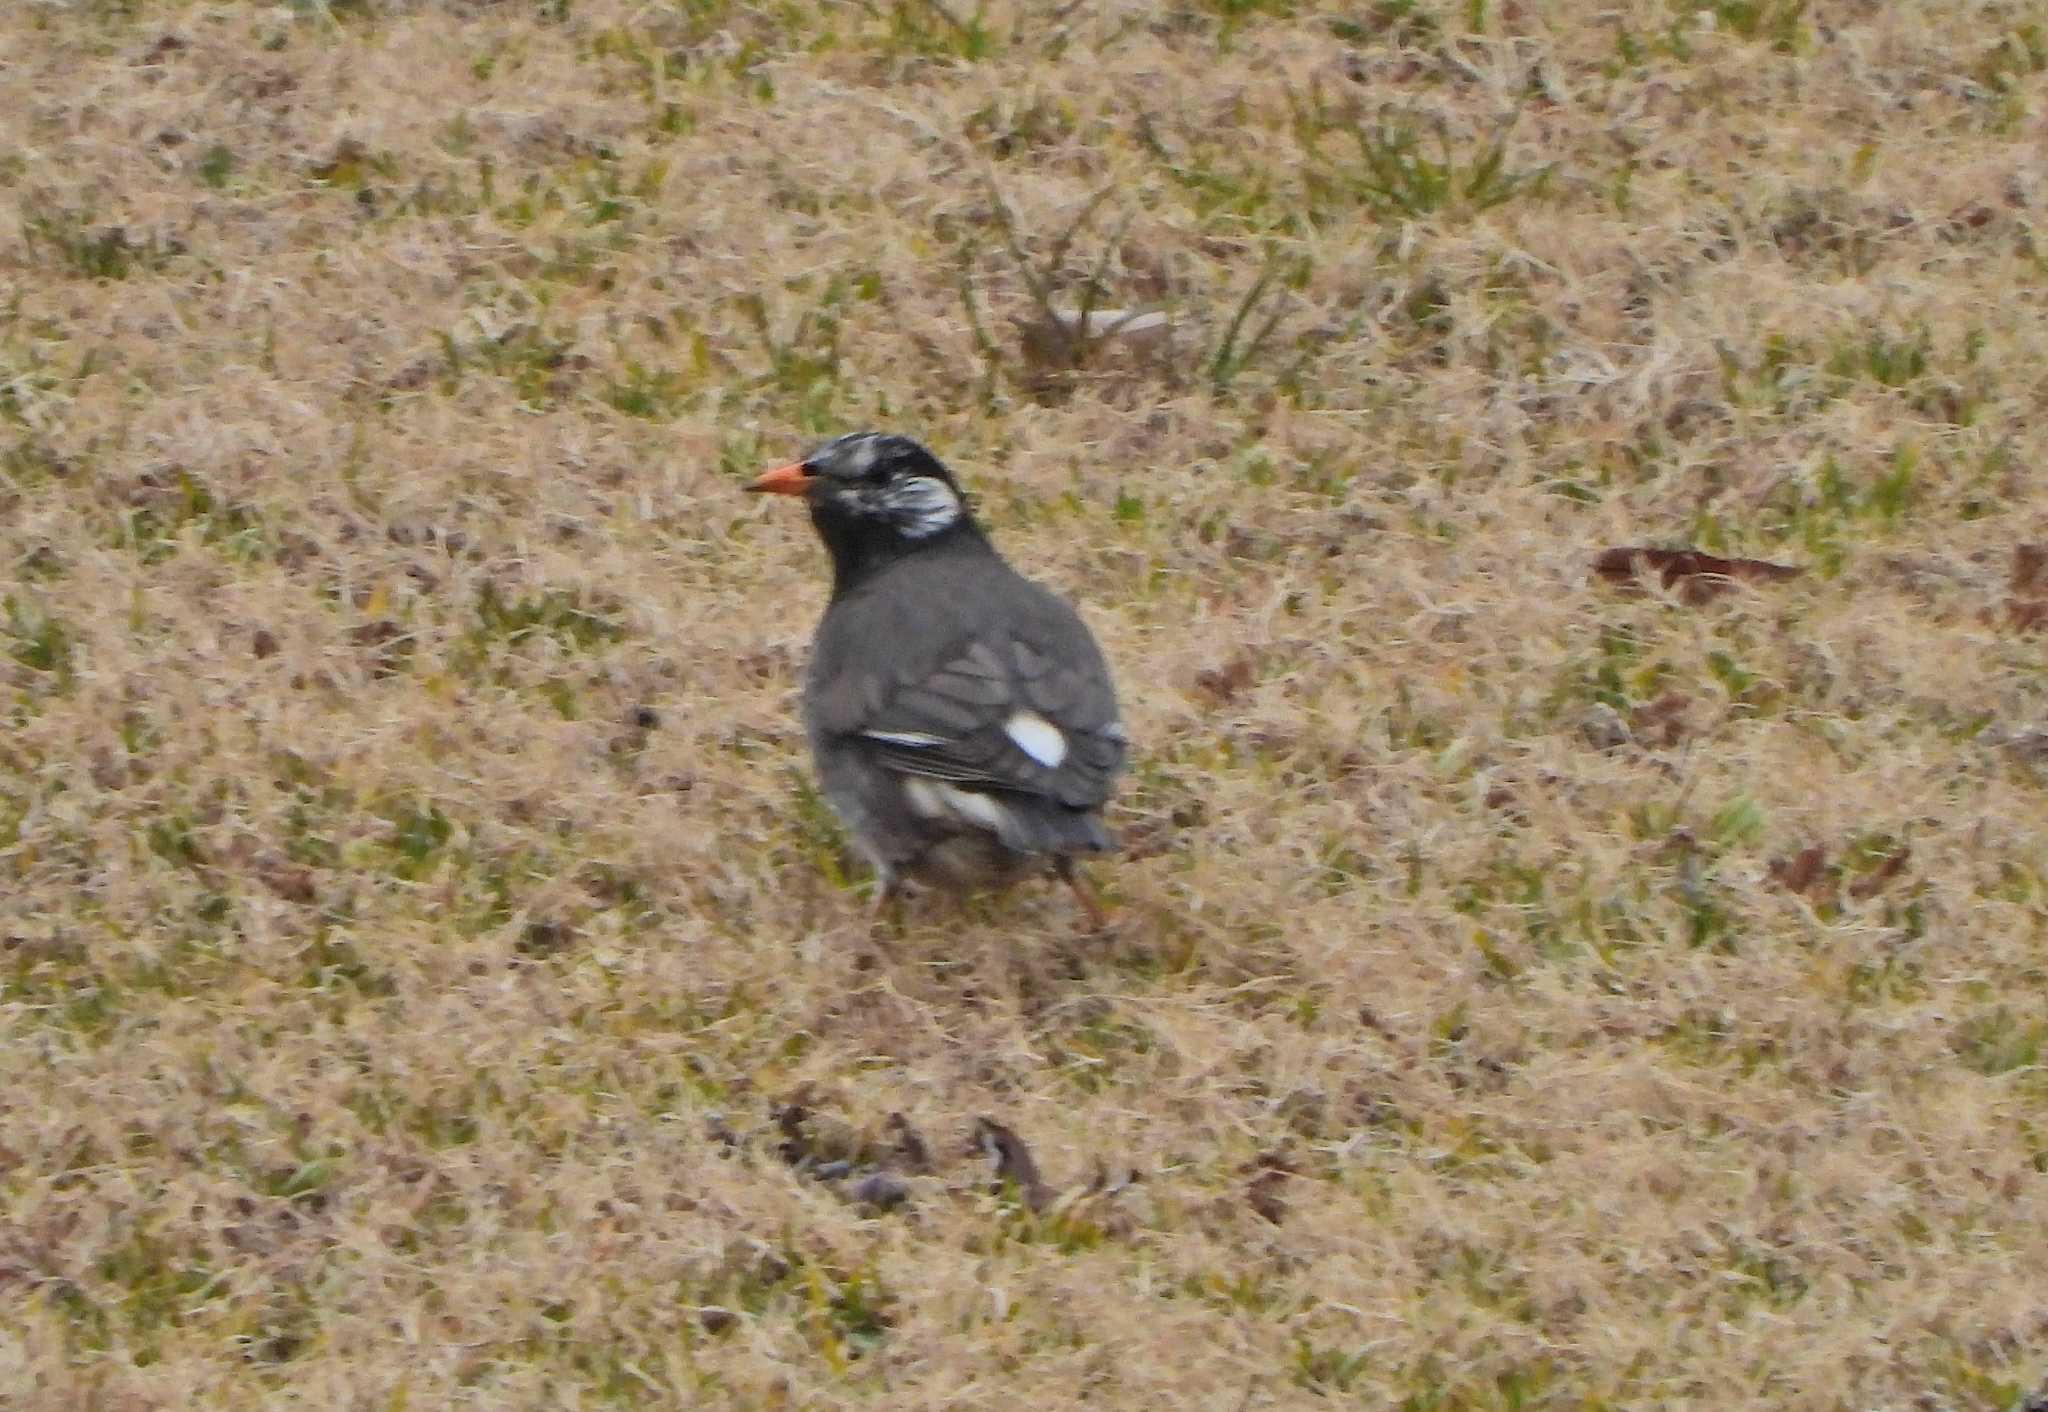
(432, 979)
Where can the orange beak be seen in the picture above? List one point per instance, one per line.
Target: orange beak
(792, 479)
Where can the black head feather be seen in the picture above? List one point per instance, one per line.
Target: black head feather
(875, 497)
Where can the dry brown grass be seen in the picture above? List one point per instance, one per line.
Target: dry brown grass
(393, 1016)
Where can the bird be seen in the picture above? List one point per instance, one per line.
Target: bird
(961, 718)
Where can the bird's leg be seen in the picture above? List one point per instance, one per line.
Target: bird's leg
(1084, 892)
(888, 903)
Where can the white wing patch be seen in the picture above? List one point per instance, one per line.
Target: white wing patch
(1037, 737)
(935, 799)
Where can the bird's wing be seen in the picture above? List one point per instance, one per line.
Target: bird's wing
(1013, 700)
(1003, 715)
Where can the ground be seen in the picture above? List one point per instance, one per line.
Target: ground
(427, 977)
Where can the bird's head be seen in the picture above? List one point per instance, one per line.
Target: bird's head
(873, 497)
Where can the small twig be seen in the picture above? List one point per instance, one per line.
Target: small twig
(1008, 225)
(991, 355)
(1074, 227)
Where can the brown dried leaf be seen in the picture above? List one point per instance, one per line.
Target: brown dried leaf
(1880, 877)
(1270, 1171)
(294, 882)
(1663, 721)
(387, 642)
(543, 937)
(1971, 215)
(1805, 873)
(1014, 1165)
(911, 1148)
(1222, 685)
(2026, 610)
(375, 633)
(411, 377)
(2025, 614)
(791, 1117)
(1698, 576)
(165, 47)
(2029, 571)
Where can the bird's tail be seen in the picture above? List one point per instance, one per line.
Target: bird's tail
(1050, 828)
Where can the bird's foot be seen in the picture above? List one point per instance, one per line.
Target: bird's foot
(887, 908)
(1084, 893)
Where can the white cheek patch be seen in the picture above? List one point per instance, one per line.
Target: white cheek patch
(921, 506)
(1037, 737)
